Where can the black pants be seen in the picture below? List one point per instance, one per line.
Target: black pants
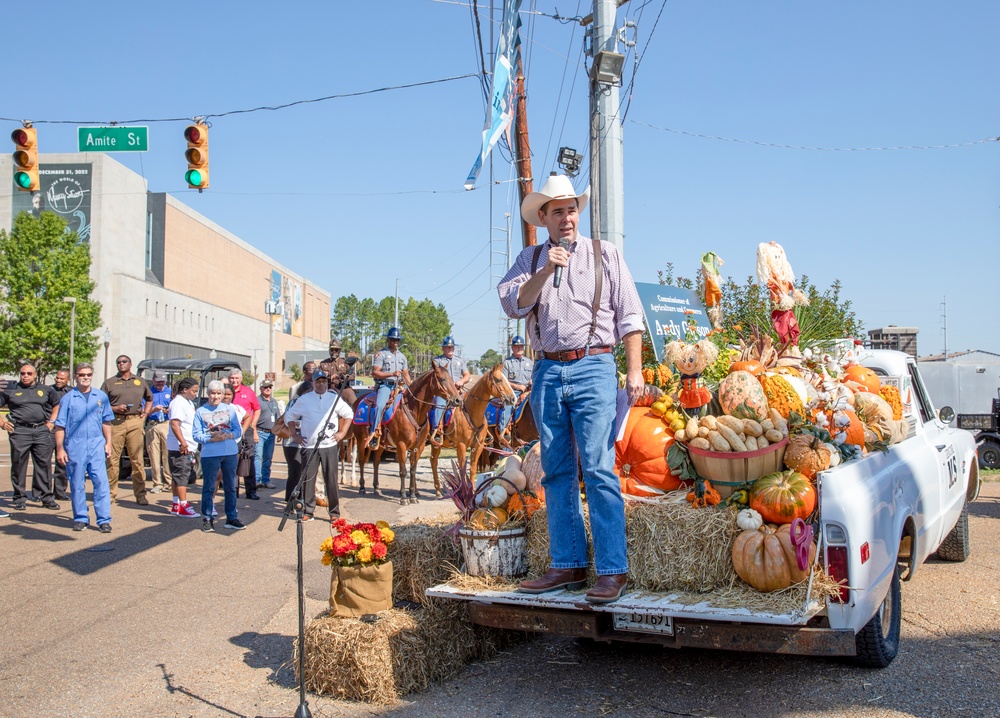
(248, 449)
(60, 482)
(38, 443)
(315, 461)
(293, 460)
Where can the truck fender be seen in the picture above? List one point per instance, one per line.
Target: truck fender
(975, 480)
(906, 554)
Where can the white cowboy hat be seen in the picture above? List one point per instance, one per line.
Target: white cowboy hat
(555, 187)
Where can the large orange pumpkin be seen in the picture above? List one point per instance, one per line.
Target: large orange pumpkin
(783, 496)
(766, 558)
(863, 376)
(641, 455)
(855, 430)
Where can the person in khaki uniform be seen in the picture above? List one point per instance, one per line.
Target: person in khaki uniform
(157, 428)
(131, 402)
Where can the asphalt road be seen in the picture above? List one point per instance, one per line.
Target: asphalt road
(158, 619)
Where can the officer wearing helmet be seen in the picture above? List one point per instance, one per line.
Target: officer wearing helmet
(517, 367)
(388, 368)
(459, 372)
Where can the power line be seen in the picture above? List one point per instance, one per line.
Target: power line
(269, 108)
(824, 149)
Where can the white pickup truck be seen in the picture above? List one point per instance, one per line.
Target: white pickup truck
(880, 517)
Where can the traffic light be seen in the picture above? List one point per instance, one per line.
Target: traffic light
(25, 159)
(197, 156)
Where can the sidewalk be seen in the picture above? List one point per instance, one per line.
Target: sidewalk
(159, 619)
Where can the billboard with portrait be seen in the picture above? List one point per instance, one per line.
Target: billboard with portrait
(65, 190)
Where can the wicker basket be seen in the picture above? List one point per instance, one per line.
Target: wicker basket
(727, 470)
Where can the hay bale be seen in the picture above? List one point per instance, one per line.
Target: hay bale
(422, 555)
(402, 652)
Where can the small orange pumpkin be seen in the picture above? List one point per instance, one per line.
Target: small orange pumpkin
(487, 519)
(783, 496)
(751, 365)
(864, 376)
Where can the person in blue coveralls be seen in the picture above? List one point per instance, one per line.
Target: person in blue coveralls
(83, 444)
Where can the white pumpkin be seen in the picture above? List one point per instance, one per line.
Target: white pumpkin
(749, 520)
(496, 496)
(834, 454)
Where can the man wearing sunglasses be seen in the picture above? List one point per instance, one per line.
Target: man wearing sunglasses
(29, 426)
(131, 402)
(83, 443)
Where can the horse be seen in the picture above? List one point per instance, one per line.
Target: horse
(406, 431)
(522, 429)
(468, 426)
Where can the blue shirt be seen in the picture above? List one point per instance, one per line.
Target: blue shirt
(83, 416)
(209, 420)
(161, 398)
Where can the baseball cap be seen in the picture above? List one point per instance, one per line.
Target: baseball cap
(266, 382)
(317, 375)
(159, 376)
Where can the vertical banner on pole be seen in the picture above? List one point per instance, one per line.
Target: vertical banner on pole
(501, 110)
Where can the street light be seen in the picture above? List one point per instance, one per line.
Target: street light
(72, 328)
(107, 343)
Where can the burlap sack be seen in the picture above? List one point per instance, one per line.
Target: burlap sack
(357, 590)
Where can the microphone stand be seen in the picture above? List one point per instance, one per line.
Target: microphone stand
(295, 503)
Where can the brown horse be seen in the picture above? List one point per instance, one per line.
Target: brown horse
(522, 430)
(407, 431)
(468, 426)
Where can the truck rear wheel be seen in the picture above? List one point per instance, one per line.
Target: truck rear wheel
(955, 546)
(989, 455)
(878, 642)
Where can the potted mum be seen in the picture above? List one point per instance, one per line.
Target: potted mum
(362, 575)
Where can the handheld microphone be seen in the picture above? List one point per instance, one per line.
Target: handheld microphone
(557, 276)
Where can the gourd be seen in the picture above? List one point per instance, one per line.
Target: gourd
(781, 395)
(752, 366)
(516, 481)
(488, 519)
(749, 520)
(641, 455)
(531, 467)
(711, 497)
(740, 395)
(875, 411)
(511, 462)
(523, 505)
(783, 496)
(807, 455)
(766, 558)
(863, 376)
(891, 395)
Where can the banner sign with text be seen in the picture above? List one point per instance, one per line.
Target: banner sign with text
(669, 312)
(65, 190)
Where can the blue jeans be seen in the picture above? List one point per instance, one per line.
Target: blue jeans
(263, 453)
(574, 402)
(84, 460)
(210, 466)
(508, 411)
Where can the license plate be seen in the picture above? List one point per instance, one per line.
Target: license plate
(644, 623)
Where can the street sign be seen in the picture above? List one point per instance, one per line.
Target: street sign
(113, 139)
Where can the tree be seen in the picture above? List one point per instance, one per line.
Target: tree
(40, 263)
(296, 371)
(489, 359)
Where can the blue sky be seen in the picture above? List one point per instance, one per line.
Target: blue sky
(355, 193)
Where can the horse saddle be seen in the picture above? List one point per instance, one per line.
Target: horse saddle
(436, 412)
(494, 410)
(365, 413)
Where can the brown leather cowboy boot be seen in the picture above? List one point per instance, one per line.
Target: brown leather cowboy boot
(555, 578)
(608, 588)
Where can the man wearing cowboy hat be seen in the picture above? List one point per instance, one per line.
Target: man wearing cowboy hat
(574, 324)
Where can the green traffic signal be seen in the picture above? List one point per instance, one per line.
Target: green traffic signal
(193, 178)
(22, 180)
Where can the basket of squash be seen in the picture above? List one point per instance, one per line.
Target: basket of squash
(731, 451)
(494, 537)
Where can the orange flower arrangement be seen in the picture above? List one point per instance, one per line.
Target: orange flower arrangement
(359, 544)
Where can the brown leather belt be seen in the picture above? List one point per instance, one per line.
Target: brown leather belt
(574, 354)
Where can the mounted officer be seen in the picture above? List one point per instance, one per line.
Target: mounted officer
(459, 372)
(389, 368)
(517, 367)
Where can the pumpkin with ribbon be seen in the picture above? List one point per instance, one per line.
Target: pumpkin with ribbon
(641, 455)
(772, 558)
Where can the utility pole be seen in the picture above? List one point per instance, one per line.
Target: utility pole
(522, 154)
(944, 317)
(607, 217)
(395, 316)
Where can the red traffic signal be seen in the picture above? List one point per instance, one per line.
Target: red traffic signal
(196, 156)
(25, 159)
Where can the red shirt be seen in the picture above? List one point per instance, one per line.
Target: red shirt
(245, 397)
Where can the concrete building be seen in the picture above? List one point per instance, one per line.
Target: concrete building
(903, 339)
(156, 262)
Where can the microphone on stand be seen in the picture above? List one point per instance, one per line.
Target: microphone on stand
(557, 276)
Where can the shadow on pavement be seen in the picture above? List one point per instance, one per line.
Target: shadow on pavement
(35, 527)
(172, 688)
(985, 506)
(273, 651)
